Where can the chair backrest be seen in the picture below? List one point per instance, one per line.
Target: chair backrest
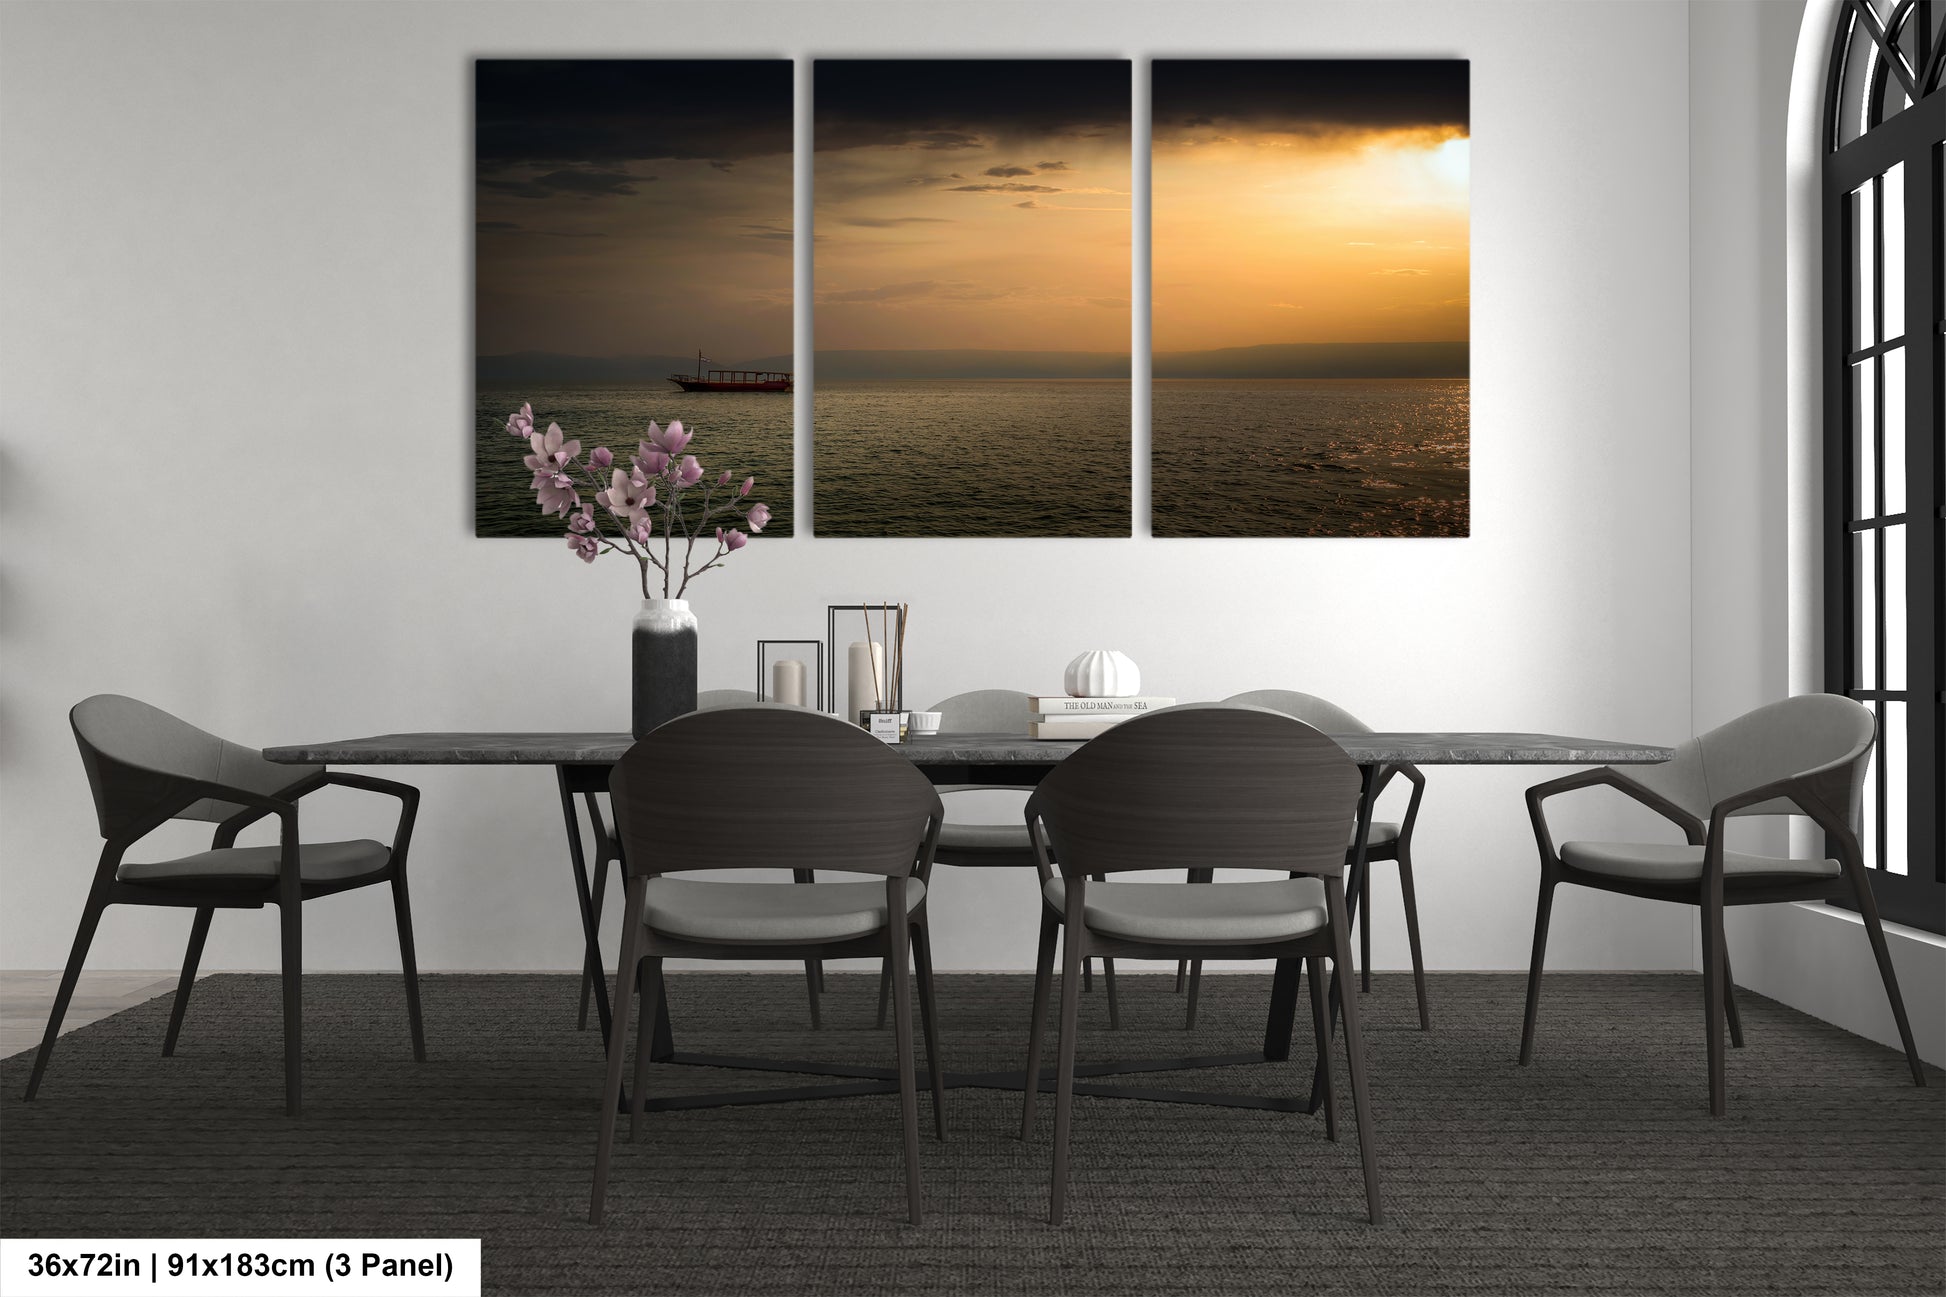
(724, 698)
(1209, 785)
(135, 754)
(1326, 717)
(1776, 741)
(771, 787)
(985, 711)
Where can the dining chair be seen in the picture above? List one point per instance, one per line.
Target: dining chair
(146, 767)
(1803, 756)
(993, 846)
(781, 788)
(608, 851)
(1385, 841)
(1206, 786)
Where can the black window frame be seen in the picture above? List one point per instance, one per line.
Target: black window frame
(1877, 59)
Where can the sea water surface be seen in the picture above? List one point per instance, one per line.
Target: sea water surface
(971, 457)
(745, 432)
(1038, 457)
(1309, 457)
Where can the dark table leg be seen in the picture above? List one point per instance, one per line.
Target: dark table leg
(581, 779)
(590, 934)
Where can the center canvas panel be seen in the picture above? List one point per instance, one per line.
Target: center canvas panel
(1310, 297)
(972, 297)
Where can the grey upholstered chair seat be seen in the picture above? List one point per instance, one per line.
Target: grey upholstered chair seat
(1199, 912)
(1381, 834)
(776, 913)
(984, 837)
(1659, 862)
(318, 862)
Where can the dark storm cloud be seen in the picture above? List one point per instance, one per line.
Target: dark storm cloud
(610, 112)
(1052, 166)
(919, 102)
(571, 181)
(1309, 96)
(1008, 171)
(515, 227)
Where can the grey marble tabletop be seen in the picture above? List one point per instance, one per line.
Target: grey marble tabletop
(554, 749)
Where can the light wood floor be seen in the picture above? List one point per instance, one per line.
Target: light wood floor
(26, 998)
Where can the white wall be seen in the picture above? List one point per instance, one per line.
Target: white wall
(235, 455)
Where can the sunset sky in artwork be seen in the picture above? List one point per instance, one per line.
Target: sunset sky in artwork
(634, 206)
(972, 204)
(1309, 201)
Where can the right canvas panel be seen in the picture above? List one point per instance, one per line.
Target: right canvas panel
(1310, 298)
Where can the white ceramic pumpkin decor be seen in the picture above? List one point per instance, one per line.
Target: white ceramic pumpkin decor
(1103, 673)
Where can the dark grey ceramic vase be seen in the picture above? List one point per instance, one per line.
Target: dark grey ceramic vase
(664, 663)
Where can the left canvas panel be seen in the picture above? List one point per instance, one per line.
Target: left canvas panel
(633, 245)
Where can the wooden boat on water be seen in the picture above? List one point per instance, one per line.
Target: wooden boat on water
(731, 380)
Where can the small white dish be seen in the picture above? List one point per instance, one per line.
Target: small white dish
(925, 723)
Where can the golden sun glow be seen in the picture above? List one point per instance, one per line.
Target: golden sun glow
(1281, 238)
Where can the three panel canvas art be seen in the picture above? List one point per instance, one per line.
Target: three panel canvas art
(972, 312)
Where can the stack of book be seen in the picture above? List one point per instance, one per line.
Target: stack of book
(1083, 718)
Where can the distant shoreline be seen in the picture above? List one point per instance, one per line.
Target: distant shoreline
(1319, 360)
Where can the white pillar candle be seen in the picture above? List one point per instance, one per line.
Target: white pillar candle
(867, 675)
(787, 682)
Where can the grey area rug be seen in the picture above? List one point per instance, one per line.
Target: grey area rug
(1596, 1170)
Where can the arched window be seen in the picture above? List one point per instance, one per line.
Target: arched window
(1884, 205)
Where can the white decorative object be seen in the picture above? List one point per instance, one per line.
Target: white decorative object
(866, 678)
(1103, 673)
(924, 722)
(787, 679)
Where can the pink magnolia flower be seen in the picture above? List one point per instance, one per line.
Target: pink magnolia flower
(743, 490)
(601, 457)
(650, 460)
(552, 451)
(731, 540)
(759, 516)
(640, 532)
(583, 546)
(521, 422)
(670, 440)
(583, 521)
(723, 478)
(625, 498)
(687, 473)
(556, 493)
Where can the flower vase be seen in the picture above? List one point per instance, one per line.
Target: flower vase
(664, 663)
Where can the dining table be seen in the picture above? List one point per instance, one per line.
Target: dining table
(582, 762)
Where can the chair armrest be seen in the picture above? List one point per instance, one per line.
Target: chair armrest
(1605, 776)
(408, 805)
(371, 784)
(923, 871)
(1037, 837)
(187, 792)
(1418, 781)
